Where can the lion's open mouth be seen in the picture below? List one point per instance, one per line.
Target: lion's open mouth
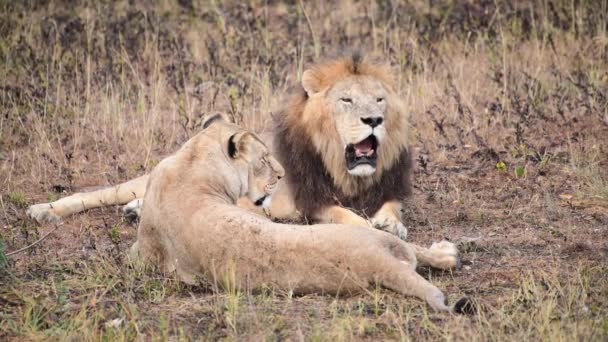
(362, 153)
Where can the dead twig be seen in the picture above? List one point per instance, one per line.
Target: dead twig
(34, 243)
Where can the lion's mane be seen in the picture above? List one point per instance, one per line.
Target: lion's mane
(307, 144)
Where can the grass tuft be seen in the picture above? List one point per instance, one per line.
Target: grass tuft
(18, 198)
(3, 259)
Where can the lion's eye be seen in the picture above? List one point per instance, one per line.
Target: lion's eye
(379, 99)
(346, 100)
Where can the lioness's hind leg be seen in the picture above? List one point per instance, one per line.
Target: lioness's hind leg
(402, 278)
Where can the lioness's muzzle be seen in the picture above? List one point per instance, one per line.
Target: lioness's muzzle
(260, 200)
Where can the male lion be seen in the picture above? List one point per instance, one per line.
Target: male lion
(191, 225)
(343, 138)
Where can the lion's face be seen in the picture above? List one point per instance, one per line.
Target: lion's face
(259, 170)
(352, 118)
(358, 105)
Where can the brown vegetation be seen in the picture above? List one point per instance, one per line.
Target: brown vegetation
(509, 112)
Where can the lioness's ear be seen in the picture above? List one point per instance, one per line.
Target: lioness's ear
(232, 152)
(213, 118)
(310, 82)
(238, 144)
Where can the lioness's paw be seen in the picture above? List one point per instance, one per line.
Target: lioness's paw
(43, 212)
(391, 225)
(448, 252)
(132, 210)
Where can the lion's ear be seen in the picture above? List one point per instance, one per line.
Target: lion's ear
(310, 82)
(238, 144)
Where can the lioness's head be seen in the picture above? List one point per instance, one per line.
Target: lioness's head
(257, 169)
(353, 116)
(260, 168)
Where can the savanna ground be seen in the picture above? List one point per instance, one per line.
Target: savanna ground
(509, 112)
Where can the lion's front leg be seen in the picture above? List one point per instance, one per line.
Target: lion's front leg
(283, 206)
(246, 203)
(442, 255)
(388, 218)
(340, 215)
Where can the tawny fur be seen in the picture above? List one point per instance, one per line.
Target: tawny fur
(118, 194)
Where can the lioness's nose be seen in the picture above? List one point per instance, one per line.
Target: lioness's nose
(373, 121)
(278, 168)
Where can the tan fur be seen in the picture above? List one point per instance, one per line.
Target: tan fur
(336, 214)
(190, 225)
(119, 194)
(388, 218)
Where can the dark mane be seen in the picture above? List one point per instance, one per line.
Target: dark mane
(311, 183)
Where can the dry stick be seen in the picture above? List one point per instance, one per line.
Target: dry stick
(34, 243)
(315, 42)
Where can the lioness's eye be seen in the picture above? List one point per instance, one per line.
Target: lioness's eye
(380, 99)
(346, 100)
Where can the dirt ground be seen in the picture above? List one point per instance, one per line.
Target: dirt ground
(509, 115)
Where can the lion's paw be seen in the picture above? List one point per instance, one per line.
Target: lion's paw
(43, 212)
(391, 225)
(448, 252)
(132, 210)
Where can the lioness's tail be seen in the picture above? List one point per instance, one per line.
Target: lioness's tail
(118, 194)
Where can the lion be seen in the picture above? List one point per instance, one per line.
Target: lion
(343, 138)
(190, 225)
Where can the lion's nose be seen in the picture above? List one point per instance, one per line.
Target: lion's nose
(373, 121)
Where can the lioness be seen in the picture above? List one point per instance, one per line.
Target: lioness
(343, 138)
(190, 225)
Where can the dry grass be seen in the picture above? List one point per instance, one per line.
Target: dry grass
(510, 120)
